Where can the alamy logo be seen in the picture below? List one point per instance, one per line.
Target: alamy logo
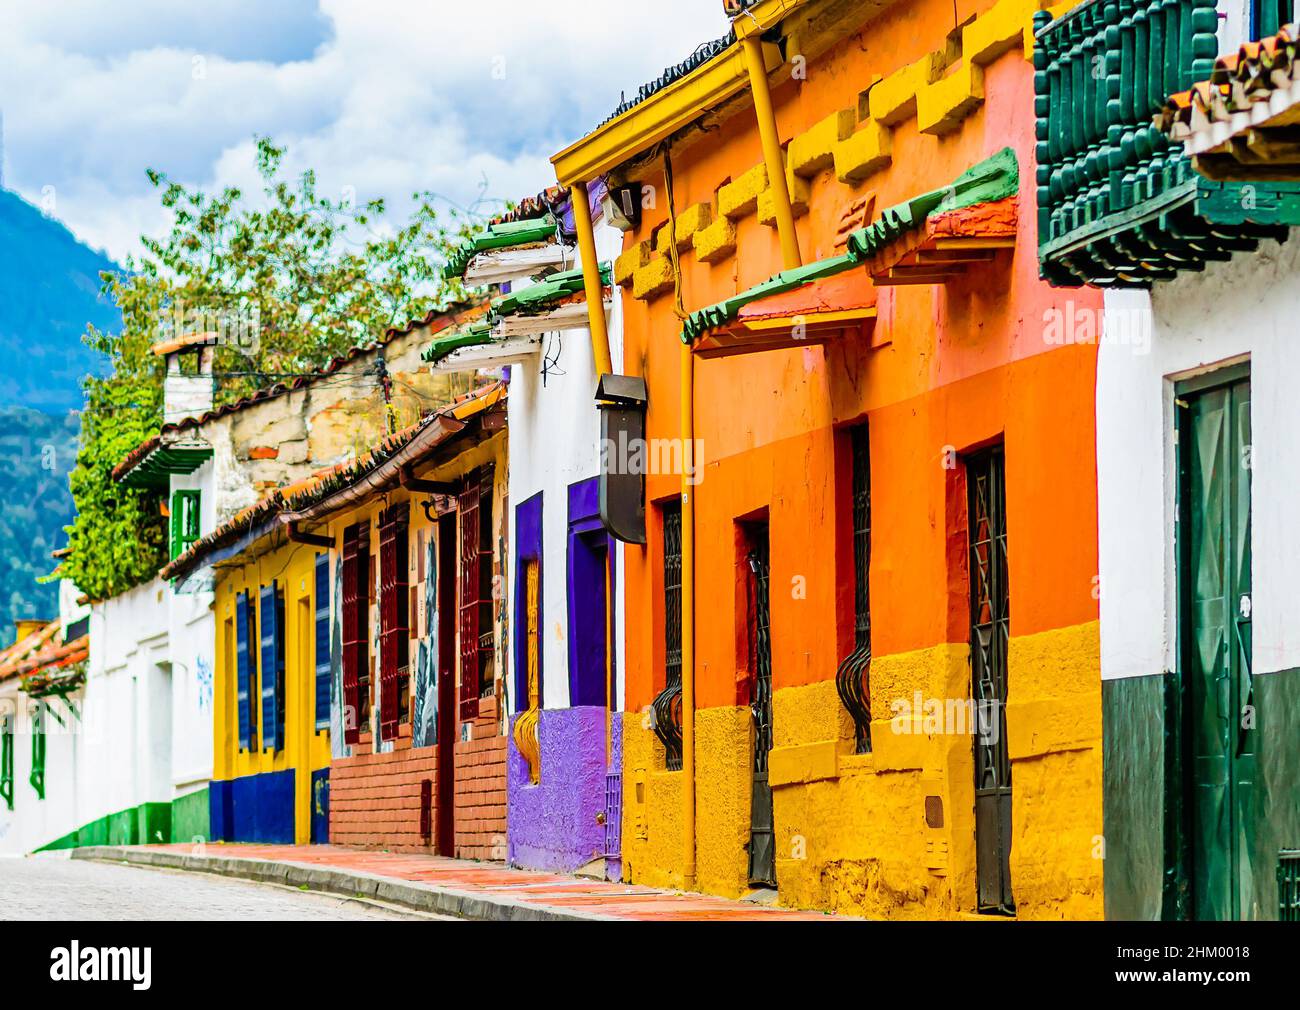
(102, 964)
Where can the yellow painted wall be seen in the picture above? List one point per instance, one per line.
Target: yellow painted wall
(852, 833)
(306, 749)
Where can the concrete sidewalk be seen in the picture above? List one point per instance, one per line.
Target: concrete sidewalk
(471, 890)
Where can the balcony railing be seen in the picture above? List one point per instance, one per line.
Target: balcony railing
(1118, 204)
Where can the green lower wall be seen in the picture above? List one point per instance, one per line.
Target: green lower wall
(1133, 797)
(1137, 764)
(190, 817)
(182, 820)
(1277, 824)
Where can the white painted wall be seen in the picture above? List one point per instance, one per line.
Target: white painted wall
(1246, 308)
(554, 440)
(34, 821)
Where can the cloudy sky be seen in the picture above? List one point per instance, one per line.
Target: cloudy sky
(466, 99)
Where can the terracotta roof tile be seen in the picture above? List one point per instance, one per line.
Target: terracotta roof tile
(1239, 83)
(441, 317)
(39, 650)
(322, 483)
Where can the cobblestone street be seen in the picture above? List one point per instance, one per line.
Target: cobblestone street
(55, 888)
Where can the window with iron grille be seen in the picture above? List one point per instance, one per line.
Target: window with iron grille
(356, 630)
(1288, 885)
(486, 596)
(394, 619)
(7, 759)
(477, 617)
(667, 705)
(271, 607)
(37, 777)
(852, 679)
(184, 520)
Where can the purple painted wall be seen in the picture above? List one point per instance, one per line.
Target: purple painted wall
(552, 825)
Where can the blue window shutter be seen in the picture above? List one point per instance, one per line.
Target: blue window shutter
(272, 620)
(323, 678)
(242, 668)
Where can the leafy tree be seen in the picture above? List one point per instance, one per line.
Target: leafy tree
(310, 277)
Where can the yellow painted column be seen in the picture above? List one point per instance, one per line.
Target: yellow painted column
(688, 616)
(591, 279)
(773, 156)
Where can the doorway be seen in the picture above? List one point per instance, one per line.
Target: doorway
(1214, 586)
(762, 840)
(446, 659)
(990, 632)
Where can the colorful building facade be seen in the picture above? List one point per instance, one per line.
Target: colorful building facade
(564, 759)
(269, 707)
(1193, 238)
(889, 530)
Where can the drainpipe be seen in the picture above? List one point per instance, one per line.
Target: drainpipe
(773, 156)
(591, 279)
(688, 617)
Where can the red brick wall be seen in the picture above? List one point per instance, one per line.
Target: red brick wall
(375, 798)
(481, 789)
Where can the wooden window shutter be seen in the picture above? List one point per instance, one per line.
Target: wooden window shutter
(272, 619)
(394, 630)
(7, 759)
(469, 599)
(353, 641)
(242, 671)
(183, 521)
(323, 678)
(37, 777)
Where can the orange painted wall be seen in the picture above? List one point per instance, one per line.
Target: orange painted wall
(961, 364)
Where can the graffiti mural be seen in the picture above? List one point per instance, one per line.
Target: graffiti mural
(424, 727)
(203, 675)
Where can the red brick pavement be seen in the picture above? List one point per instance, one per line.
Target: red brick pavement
(523, 887)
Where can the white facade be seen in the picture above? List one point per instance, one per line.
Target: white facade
(34, 821)
(554, 442)
(1245, 309)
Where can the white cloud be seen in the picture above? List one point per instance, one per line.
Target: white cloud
(386, 97)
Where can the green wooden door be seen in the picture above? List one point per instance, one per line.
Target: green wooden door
(1216, 610)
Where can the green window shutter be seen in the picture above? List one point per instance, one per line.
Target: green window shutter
(38, 750)
(7, 760)
(184, 520)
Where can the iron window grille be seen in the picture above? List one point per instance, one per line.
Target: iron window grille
(1288, 885)
(990, 622)
(477, 605)
(487, 595)
(356, 630)
(667, 705)
(394, 618)
(853, 678)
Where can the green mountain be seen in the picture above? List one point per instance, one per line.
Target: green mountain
(36, 452)
(49, 291)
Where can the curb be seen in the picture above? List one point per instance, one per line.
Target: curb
(344, 883)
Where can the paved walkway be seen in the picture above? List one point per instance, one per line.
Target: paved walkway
(53, 888)
(447, 886)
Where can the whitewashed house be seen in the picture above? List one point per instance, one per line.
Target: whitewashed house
(564, 606)
(1185, 210)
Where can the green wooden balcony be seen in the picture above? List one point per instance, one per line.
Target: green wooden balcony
(1118, 204)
